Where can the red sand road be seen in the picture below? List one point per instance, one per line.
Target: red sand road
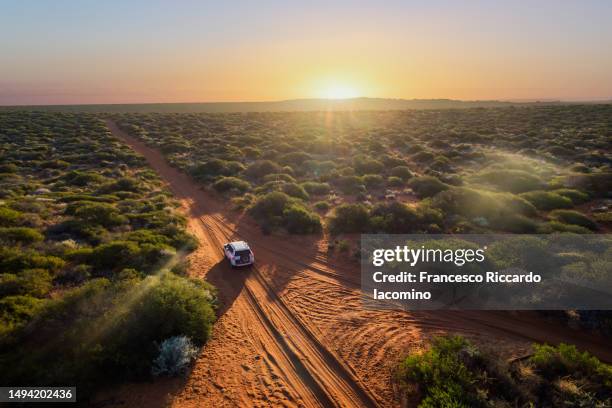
(292, 331)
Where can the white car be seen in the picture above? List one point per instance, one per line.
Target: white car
(238, 253)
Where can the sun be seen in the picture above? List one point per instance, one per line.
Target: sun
(340, 91)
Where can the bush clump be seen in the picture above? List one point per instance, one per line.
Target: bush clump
(573, 218)
(350, 218)
(546, 200)
(231, 183)
(455, 373)
(314, 188)
(175, 355)
(277, 209)
(427, 186)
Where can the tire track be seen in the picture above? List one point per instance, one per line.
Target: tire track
(314, 371)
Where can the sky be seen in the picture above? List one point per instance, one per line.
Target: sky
(92, 51)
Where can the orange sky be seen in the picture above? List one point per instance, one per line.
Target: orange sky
(162, 51)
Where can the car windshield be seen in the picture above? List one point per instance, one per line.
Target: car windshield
(243, 252)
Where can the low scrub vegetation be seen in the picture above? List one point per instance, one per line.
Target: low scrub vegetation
(91, 249)
(507, 168)
(455, 373)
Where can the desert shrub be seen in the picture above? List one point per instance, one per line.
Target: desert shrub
(32, 282)
(298, 220)
(423, 157)
(403, 172)
(279, 177)
(129, 317)
(598, 185)
(128, 184)
(115, 255)
(427, 186)
(322, 205)
(102, 214)
(262, 168)
(573, 218)
(502, 211)
(349, 184)
(514, 181)
(9, 217)
(394, 218)
(349, 218)
(294, 158)
(82, 178)
(372, 181)
(277, 209)
(231, 183)
(270, 205)
(16, 310)
(314, 188)
(546, 200)
(8, 168)
(365, 165)
(209, 169)
(251, 152)
(577, 197)
(525, 252)
(556, 226)
(395, 181)
(13, 260)
(454, 373)
(175, 355)
(21, 235)
(295, 190)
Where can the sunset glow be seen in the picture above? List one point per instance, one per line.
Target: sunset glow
(250, 51)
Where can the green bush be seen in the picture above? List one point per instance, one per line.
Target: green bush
(279, 177)
(216, 167)
(556, 226)
(395, 181)
(454, 373)
(9, 217)
(32, 282)
(82, 178)
(270, 205)
(427, 186)
(402, 172)
(115, 255)
(365, 165)
(322, 205)
(314, 188)
(299, 220)
(502, 211)
(102, 214)
(349, 184)
(349, 218)
(231, 183)
(574, 218)
(21, 235)
(599, 185)
(394, 218)
(514, 181)
(17, 310)
(577, 197)
(372, 181)
(262, 168)
(295, 190)
(546, 200)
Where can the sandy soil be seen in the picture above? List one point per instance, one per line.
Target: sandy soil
(292, 331)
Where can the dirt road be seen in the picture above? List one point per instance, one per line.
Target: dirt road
(292, 331)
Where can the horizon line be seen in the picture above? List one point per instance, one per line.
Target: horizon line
(336, 100)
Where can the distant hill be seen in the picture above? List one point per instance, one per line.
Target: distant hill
(288, 105)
